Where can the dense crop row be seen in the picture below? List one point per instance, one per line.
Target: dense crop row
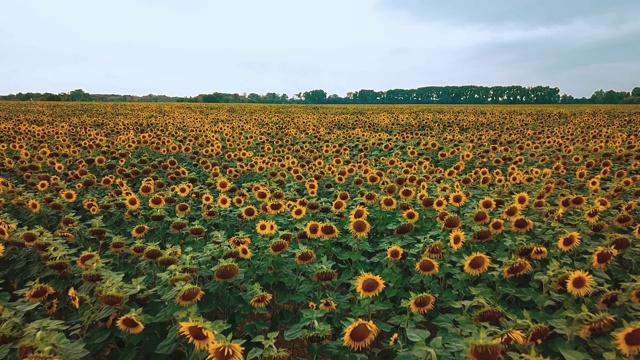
(275, 232)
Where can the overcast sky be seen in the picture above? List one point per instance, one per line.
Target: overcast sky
(188, 47)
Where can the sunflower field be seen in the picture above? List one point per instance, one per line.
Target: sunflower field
(191, 231)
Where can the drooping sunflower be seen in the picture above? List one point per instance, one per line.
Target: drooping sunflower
(422, 303)
(156, 201)
(359, 228)
(627, 339)
(476, 263)
(488, 314)
(278, 246)
(580, 283)
(596, 323)
(602, 257)
(434, 250)
(87, 259)
(305, 257)
(516, 268)
(226, 271)
(189, 295)
(369, 285)
(510, 336)
(427, 266)
(537, 333)
(39, 292)
(511, 212)
(260, 300)
(360, 334)
(198, 334)
(521, 225)
(480, 217)
(539, 253)
(569, 241)
(225, 350)
(394, 253)
(183, 208)
(484, 350)
(130, 323)
(328, 231)
(609, 299)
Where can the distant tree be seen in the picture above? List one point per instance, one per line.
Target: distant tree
(315, 96)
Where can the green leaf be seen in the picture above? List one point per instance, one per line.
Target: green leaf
(572, 354)
(417, 335)
(168, 345)
(294, 332)
(254, 353)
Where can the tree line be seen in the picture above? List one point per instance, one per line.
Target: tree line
(424, 95)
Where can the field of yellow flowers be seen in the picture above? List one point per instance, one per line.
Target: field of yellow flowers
(186, 231)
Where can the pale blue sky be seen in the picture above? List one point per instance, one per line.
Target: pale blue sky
(188, 47)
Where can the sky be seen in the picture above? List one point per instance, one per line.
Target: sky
(191, 47)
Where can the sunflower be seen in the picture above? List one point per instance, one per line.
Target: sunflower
(628, 340)
(517, 268)
(369, 285)
(476, 263)
(521, 225)
(140, 230)
(226, 350)
(388, 203)
(456, 239)
(489, 314)
(596, 323)
(510, 336)
(359, 228)
(496, 226)
(395, 253)
(434, 251)
(183, 208)
(224, 201)
(609, 299)
(359, 213)
(156, 201)
(521, 200)
(422, 303)
(266, 227)
(427, 266)
(569, 241)
(360, 334)
(328, 231)
(452, 222)
(539, 253)
(39, 292)
(305, 257)
(278, 246)
(244, 252)
(484, 350)
(189, 295)
(602, 257)
(226, 271)
(439, 204)
(199, 335)
(487, 204)
(457, 199)
(480, 217)
(87, 259)
(537, 333)
(132, 202)
(2, 249)
(33, 206)
(592, 215)
(130, 323)
(636, 232)
(312, 229)
(327, 305)
(68, 195)
(260, 300)
(579, 283)
(511, 212)
(298, 212)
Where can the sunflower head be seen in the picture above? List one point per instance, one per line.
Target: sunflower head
(369, 285)
(476, 263)
(421, 303)
(580, 283)
(360, 334)
(627, 339)
(130, 323)
(197, 333)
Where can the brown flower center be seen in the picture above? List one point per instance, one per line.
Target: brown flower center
(360, 333)
(359, 226)
(130, 323)
(427, 265)
(477, 262)
(370, 285)
(604, 257)
(633, 338)
(579, 282)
